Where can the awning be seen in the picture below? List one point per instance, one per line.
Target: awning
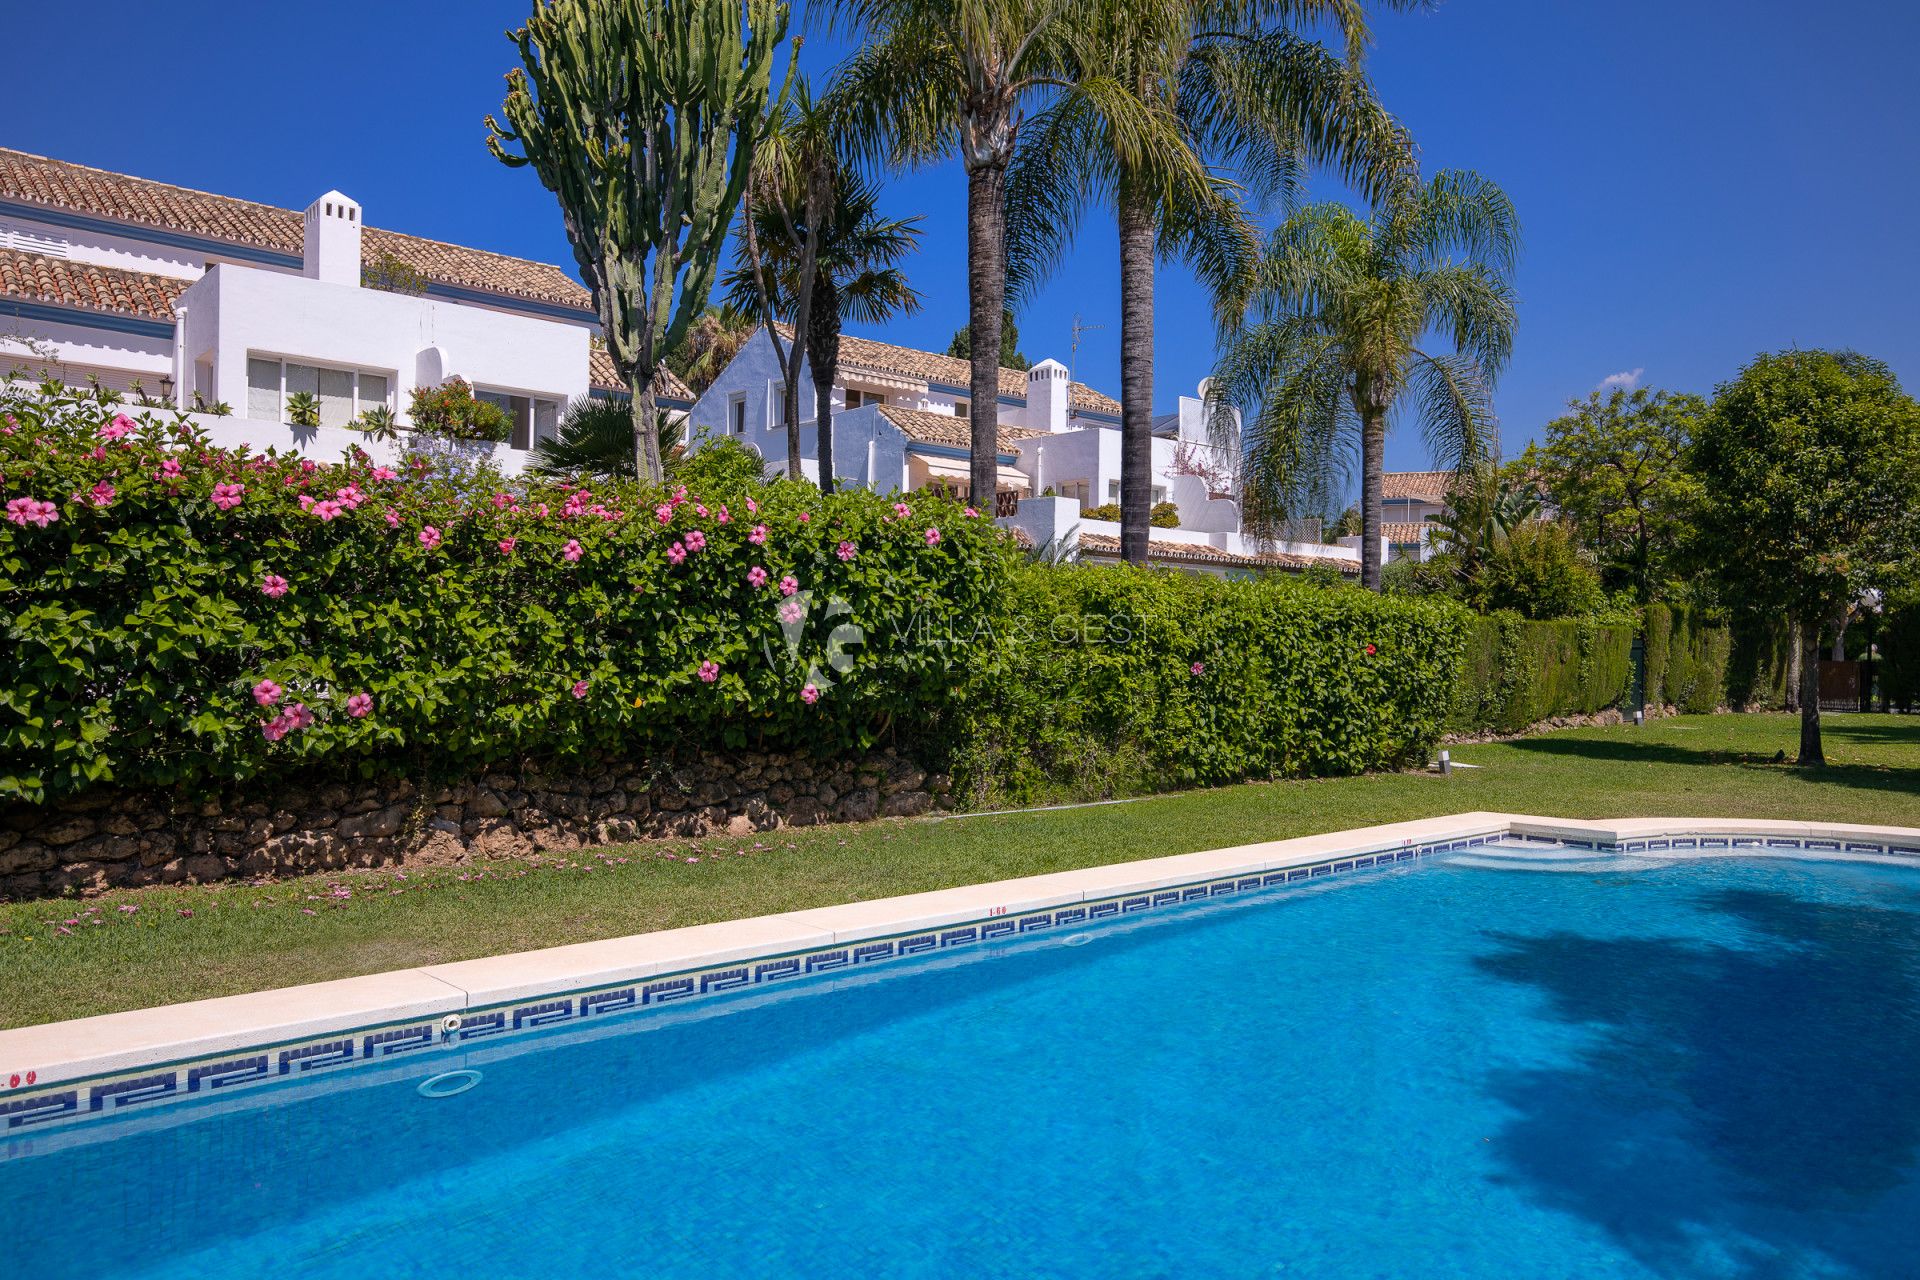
(959, 469)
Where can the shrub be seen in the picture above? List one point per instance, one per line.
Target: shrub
(1537, 572)
(1519, 672)
(168, 605)
(451, 409)
(1165, 515)
(1114, 679)
(1105, 511)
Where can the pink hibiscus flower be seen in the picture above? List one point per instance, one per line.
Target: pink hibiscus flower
(266, 693)
(571, 552)
(359, 705)
(579, 688)
(846, 551)
(274, 586)
(759, 535)
(228, 496)
(709, 671)
(429, 537)
(789, 585)
(809, 694)
(933, 537)
(677, 553)
(756, 577)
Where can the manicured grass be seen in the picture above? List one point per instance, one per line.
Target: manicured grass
(183, 944)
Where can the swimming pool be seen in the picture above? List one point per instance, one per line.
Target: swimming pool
(1537, 1061)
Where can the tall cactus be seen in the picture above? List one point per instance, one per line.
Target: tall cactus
(642, 117)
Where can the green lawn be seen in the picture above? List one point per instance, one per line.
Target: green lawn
(155, 946)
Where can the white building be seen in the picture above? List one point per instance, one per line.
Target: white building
(201, 300)
(901, 422)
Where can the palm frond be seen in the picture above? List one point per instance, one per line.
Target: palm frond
(1455, 409)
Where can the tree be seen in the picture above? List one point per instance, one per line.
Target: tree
(1809, 462)
(1617, 467)
(1161, 93)
(941, 77)
(643, 118)
(854, 276)
(713, 340)
(1329, 341)
(1485, 503)
(961, 348)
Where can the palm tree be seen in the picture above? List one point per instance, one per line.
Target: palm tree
(854, 277)
(1246, 92)
(1330, 337)
(713, 340)
(940, 77)
(1483, 507)
(595, 437)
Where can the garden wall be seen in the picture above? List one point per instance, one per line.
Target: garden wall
(110, 839)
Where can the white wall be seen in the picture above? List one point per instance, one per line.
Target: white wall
(76, 351)
(127, 252)
(233, 311)
(330, 444)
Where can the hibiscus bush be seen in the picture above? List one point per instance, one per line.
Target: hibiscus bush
(177, 614)
(1109, 680)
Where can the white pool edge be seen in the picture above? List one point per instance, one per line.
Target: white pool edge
(33, 1059)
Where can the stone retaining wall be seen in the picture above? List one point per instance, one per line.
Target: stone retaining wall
(113, 839)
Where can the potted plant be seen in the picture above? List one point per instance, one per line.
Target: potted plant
(303, 409)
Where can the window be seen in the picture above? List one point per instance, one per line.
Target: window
(1113, 492)
(855, 398)
(737, 415)
(962, 409)
(1079, 490)
(529, 418)
(344, 394)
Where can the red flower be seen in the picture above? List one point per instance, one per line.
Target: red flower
(1369, 651)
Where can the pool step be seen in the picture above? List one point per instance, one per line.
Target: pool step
(1546, 857)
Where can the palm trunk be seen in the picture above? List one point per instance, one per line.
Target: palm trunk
(986, 299)
(823, 358)
(823, 423)
(646, 433)
(1810, 749)
(1136, 373)
(1373, 465)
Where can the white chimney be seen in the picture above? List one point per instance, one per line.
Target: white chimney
(332, 250)
(1047, 389)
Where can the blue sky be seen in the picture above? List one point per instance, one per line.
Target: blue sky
(1696, 182)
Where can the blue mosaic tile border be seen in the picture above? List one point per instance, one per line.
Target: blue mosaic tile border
(25, 1108)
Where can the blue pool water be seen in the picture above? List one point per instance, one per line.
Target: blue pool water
(1701, 1069)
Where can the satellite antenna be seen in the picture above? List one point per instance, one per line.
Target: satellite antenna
(1073, 352)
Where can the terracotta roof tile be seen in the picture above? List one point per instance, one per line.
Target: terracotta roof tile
(1399, 532)
(887, 357)
(1430, 485)
(124, 198)
(946, 428)
(1201, 553)
(57, 281)
(602, 376)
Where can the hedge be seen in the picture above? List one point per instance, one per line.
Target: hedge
(1759, 659)
(1517, 673)
(1111, 679)
(1686, 659)
(181, 615)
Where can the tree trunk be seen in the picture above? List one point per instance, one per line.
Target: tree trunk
(1810, 750)
(1136, 372)
(1794, 652)
(823, 358)
(646, 432)
(1373, 465)
(986, 299)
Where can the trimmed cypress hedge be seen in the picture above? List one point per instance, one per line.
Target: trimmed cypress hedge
(1517, 673)
(1686, 659)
